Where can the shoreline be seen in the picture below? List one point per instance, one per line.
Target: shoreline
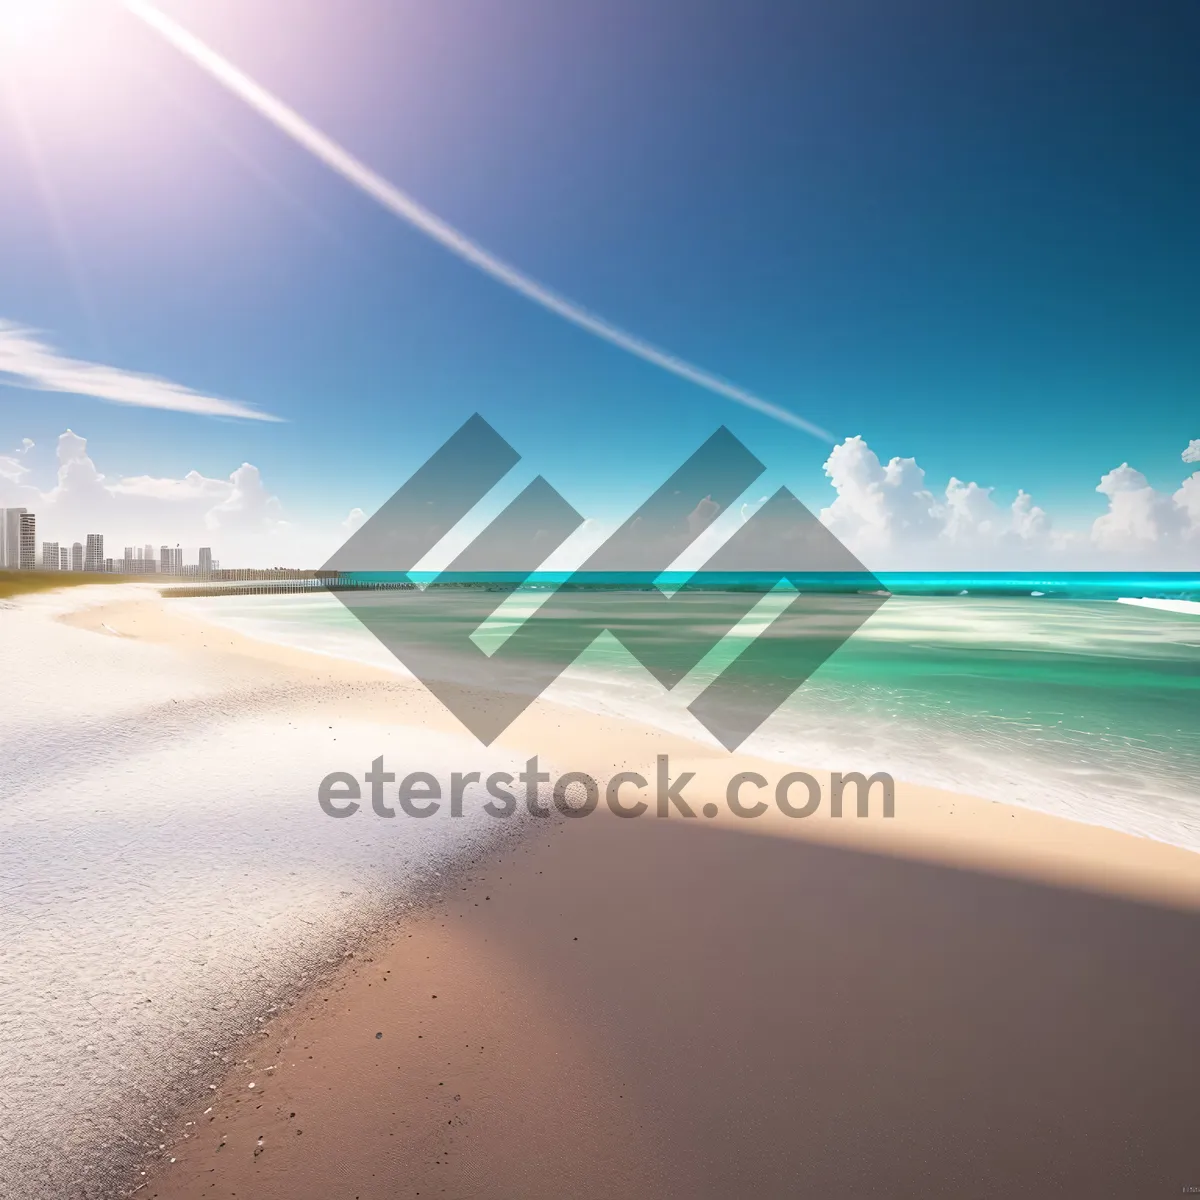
(994, 836)
(1022, 747)
(360, 708)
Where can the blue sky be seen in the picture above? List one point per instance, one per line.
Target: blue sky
(965, 233)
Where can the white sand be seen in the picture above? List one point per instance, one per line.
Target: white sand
(166, 874)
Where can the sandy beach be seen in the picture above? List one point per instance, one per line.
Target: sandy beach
(599, 601)
(967, 998)
(616, 1009)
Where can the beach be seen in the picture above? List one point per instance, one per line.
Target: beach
(662, 1010)
(968, 997)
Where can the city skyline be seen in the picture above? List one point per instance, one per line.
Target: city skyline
(18, 542)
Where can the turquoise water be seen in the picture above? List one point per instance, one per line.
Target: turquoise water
(1080, 585)
(1077, 585)
(1067, 701)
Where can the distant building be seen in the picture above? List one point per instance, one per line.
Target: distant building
(127, 561)
(108, 565)
(149, 553)
(28, 542)
(93, 556)
(77, 557)
(206, 562)
(10, 538)
(64, 559)
(50, 559)
(166, 560)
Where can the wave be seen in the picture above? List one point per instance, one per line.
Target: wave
(1083, 708)
(1178, 606)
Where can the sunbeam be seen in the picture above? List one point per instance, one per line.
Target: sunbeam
(354, 171)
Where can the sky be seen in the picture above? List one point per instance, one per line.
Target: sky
(961, 239)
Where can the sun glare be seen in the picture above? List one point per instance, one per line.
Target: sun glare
(27, 24)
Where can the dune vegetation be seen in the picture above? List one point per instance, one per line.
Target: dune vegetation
(18, 583)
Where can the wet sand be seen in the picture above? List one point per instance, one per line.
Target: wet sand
(669, 1008)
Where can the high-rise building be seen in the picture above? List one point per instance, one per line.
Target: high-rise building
(50, 556)
(64, 559)
(165, 558)
(77, 557)
(205, 567)
(128, 560)
(93, 556)
(149, 553)
(177, 563)
(10, 538)
(28, 542)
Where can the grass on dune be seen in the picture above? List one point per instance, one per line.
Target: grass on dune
(18, 583)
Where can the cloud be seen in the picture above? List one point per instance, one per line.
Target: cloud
(1029, 522)
(968, 512)
(11, 466)
(750, 507)
(354, 519)
(238, 516)
(247, 506)
(1192, 453)
(1187, 500)
(702, 516)
(28, 362)
(1138, 515)
(892, 519)
(193, 486)
(877, 507)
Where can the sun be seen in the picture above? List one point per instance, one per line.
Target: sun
(27, 24)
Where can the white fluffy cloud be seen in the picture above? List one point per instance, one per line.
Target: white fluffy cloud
(1192, 453)
(877, 506)
(1151, 526)
(237, 516)
(1138, 516)
(886, 513)
(892, 519)
(1029, 522)
(1187, 500)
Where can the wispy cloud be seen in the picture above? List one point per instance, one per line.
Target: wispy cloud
(357, 173)
(27, 361)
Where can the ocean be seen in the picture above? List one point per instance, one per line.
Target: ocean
(1074, 694)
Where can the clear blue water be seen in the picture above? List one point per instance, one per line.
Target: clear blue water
(1065, 701)
(1079, 585)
